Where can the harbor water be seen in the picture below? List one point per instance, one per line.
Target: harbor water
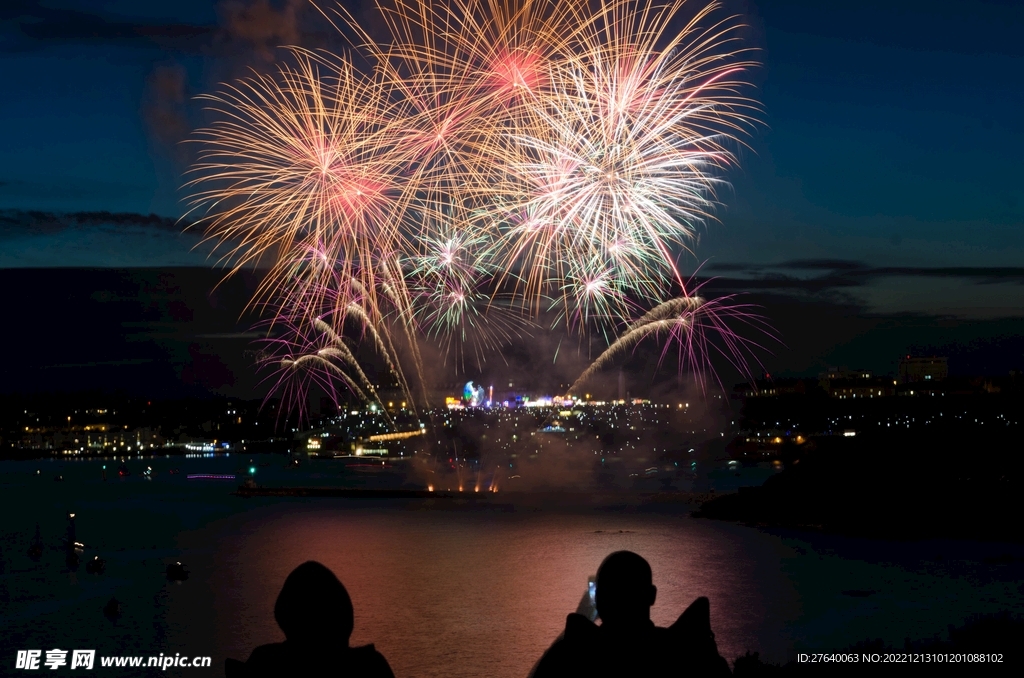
(441, 587)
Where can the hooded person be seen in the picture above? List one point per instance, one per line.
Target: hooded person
(315, 613)
(627, 643)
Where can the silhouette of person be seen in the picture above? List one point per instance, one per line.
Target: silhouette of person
(627, 643)
(315, 613)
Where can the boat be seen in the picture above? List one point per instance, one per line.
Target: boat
(123, 471)
(96, 566)
(177, 572)
(71, 543)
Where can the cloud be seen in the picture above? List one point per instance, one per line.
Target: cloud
(259, 25)
(239, 36)
(33, 239)
(250, 31)
(839, 273)
(984, 274)
(262, 26)
(964, 292)
(34, 24)
(34, 222)
(165, 111)
(822, 264)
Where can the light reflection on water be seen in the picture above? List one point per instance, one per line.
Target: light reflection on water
(445, 592)
(489, 591)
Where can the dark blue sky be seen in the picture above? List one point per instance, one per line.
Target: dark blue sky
(892, 137)
(878, 212)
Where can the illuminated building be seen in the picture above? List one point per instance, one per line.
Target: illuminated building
(915, 369)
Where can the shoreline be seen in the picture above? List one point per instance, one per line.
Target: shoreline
(581, 498)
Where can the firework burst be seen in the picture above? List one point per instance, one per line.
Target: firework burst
(501, 160)
(299, 174)
(633, 138)
(454, 300)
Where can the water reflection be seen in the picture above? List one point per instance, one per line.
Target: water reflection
(442, 592)
(488, 592)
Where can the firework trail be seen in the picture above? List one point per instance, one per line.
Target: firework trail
(320, 360)
(343, 301)
(339, 349)
(385, 351)
(691, 324)
(299, 327)
(679, 305)
(313, 354)
(395, 286)
(295, 370)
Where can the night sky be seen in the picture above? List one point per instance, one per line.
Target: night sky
(886, 183)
